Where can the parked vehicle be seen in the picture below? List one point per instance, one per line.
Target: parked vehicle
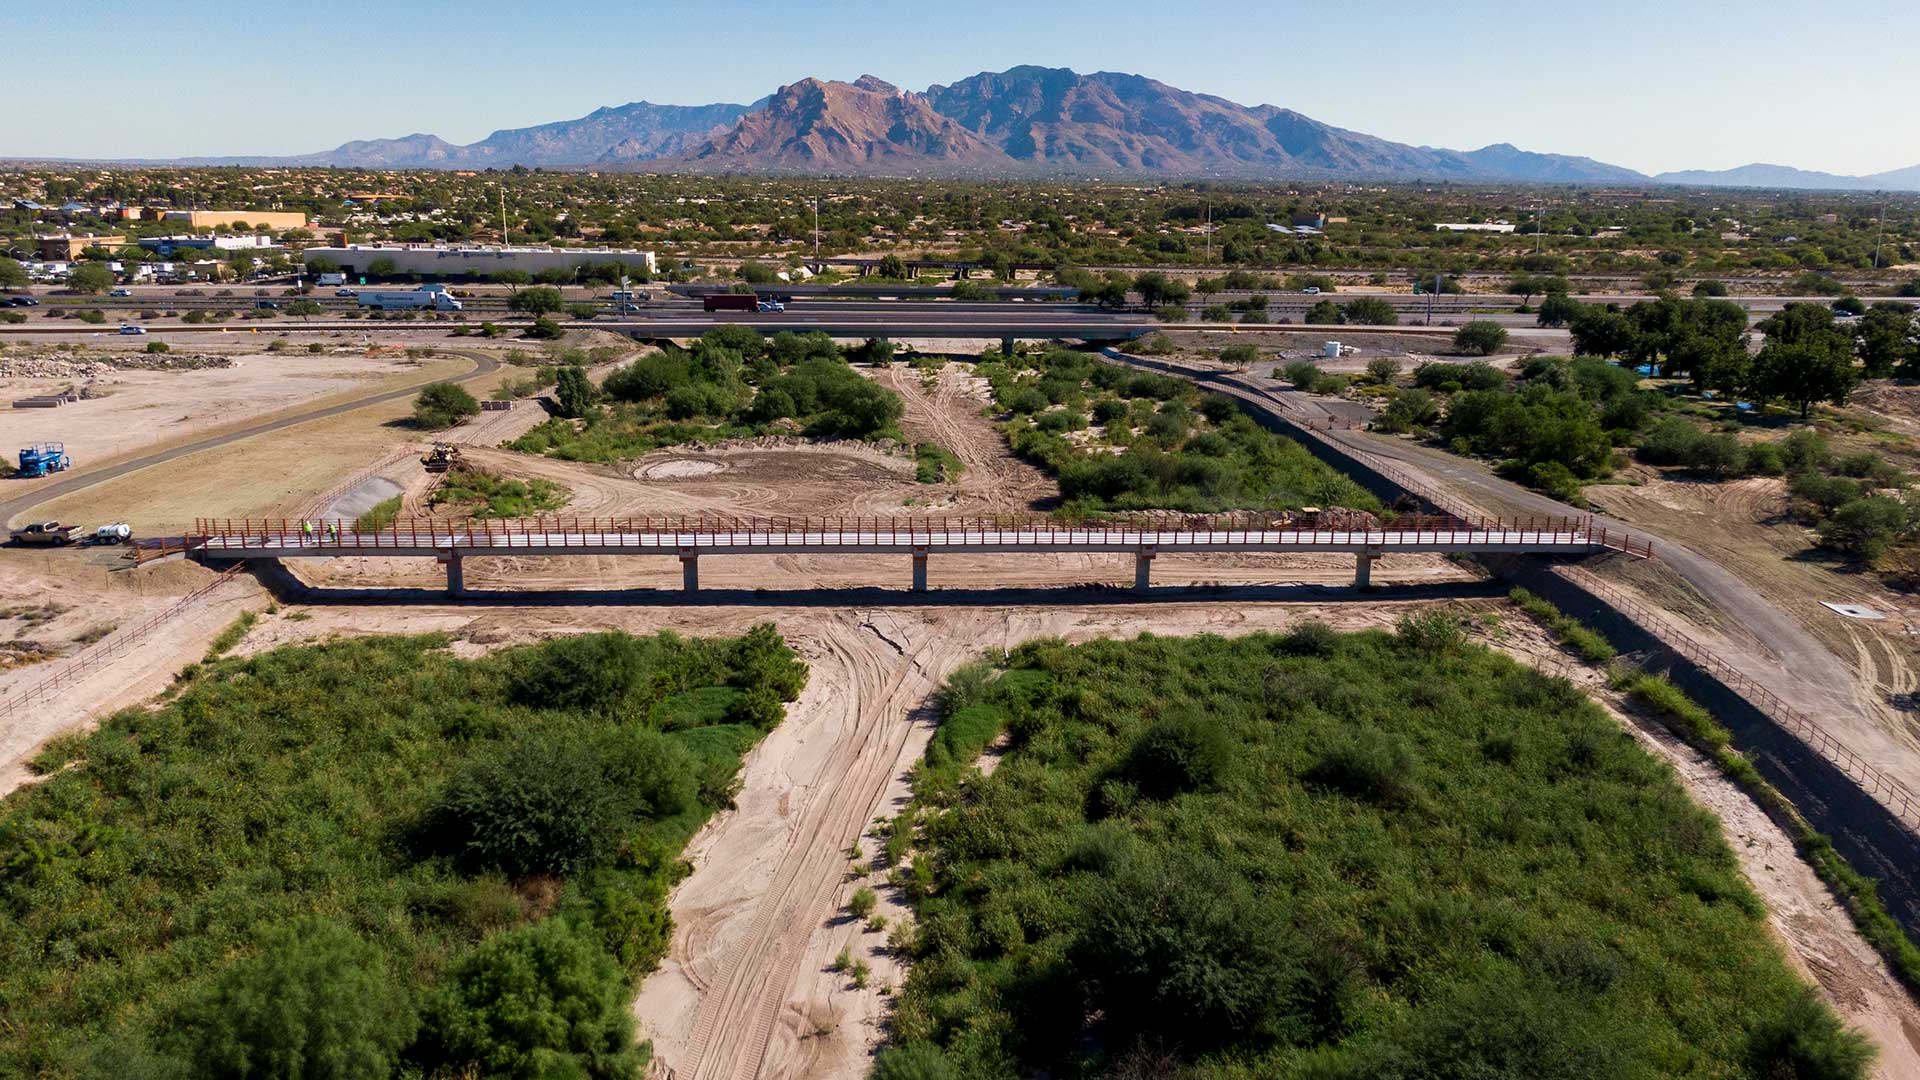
(730, 302)
(45, 534)
(40, 459)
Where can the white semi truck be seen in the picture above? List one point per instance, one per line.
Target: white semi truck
(425, 297)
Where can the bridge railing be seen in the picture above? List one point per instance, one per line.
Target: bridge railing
(708, 530)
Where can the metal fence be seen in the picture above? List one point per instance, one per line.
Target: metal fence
(712, 530)
(109, 648)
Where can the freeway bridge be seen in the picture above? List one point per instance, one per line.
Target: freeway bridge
(688, 539)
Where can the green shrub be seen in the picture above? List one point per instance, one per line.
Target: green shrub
(1480, 338)
(541, 1000)
(1180, 754)
(587, 671)
(1864, 528)
(1372, 766)
(1411, 409)
(561, 804)
(1803, 1039)
(913, 1061)
(315, 1002)
(378, 516)
(442, 405)
(1431, 631)
(862, 902)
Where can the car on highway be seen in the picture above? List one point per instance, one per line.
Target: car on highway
(627, 308)
(345, 292)
(129, 328)
(1311, 290)
(267, 305)
(774, 306)
(121, 292)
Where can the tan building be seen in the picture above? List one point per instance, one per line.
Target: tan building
(68, 248)
(207, 219)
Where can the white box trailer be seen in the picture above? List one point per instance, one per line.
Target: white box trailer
(426, 297)
(333, 279)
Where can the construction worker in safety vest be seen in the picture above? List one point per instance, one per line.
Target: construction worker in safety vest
(307, 526)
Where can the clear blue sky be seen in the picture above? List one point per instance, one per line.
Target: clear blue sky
(1653, 86)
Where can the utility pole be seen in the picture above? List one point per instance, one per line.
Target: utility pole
(1430, 292)
(503, 215)
(1208, 229)
(1881, 235)
(816, 229)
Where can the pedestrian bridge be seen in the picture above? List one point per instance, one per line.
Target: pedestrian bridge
(691, 538)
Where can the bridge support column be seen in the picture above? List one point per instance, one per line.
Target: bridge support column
(456, 576)
(919, 569)
(1363, 570)
(689, 570)
(1142, 569)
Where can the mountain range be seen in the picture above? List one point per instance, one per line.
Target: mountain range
(1024, 121)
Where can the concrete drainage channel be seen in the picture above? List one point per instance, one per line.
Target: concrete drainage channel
(1873, 820)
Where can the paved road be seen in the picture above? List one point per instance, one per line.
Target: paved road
(18, 506)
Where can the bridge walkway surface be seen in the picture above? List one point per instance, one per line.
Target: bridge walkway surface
(688, 539)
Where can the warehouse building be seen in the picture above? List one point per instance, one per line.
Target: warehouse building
(209, 219)
(68, 248)
(444, 260)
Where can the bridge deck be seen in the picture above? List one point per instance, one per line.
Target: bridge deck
(299, 538)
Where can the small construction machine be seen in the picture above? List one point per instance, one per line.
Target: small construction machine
(441, 457)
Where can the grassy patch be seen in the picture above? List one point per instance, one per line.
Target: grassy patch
(1327, 855)
(328, 781)
(498, 496)
(935, 464)
(378, 516)
(235, 632)
(1567, 630)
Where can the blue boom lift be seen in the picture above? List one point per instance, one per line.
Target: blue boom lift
(43, 458)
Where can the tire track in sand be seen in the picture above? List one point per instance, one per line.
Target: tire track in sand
(744, 999)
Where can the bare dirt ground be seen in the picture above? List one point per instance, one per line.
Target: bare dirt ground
(1743, 524)
(139, 411)
(94, 597)
(270, 474)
